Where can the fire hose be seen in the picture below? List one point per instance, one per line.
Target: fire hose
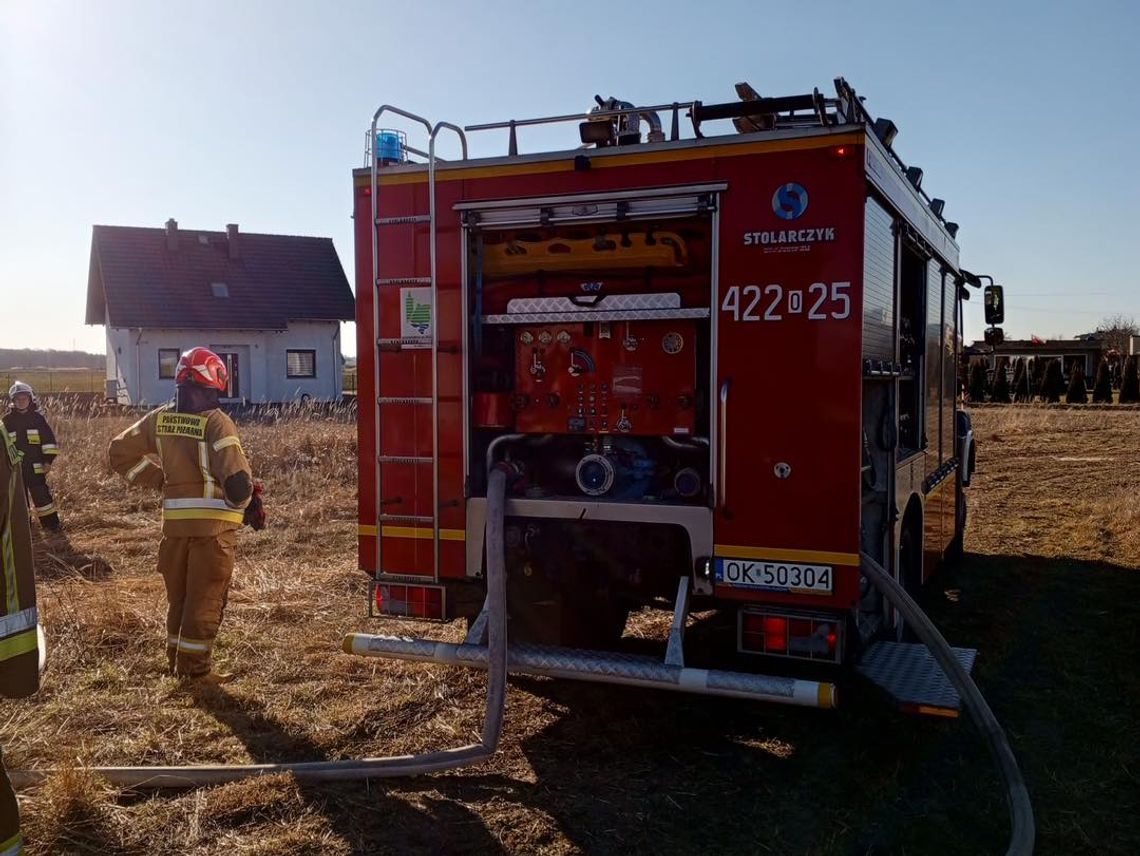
(363, 768)
(1022, 832)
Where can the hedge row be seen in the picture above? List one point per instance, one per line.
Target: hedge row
(1041, 379)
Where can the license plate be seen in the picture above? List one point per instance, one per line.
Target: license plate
(775, 576)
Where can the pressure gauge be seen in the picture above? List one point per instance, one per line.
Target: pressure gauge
(526, 337)
(672, 343)
(544, 338)
(563, 337)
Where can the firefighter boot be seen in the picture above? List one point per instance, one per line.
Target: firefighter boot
(211, 679)
(197, 573)
(43, 504)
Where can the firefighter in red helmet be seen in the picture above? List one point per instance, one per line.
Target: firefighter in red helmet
(191, 450)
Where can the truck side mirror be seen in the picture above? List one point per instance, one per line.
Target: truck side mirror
(994, 301)
(994, 336)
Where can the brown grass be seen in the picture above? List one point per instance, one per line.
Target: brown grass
(56, 380)
(1048, 593)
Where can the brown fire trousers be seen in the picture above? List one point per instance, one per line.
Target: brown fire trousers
(19, 642)
(191, 457)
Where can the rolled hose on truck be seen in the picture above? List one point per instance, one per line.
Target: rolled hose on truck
(363, 768)
(1017, 795)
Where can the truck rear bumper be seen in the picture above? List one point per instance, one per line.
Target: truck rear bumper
(601, 667)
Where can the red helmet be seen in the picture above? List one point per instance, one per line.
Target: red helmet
(203, 367)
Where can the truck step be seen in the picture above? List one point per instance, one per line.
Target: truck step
(910, 675)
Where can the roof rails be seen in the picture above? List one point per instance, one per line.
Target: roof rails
(751, 114)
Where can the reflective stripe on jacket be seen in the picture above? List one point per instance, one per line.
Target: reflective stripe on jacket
(190, 456)
(19, 643)
(32, 435)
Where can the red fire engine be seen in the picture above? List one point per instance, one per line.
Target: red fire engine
(722, 369)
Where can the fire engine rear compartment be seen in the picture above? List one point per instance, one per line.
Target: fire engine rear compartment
(590, 361)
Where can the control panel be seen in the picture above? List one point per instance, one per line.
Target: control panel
(619, 377)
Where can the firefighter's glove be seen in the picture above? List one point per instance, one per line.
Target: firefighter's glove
(255, 511)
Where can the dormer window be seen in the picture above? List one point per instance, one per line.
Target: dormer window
(220, 289)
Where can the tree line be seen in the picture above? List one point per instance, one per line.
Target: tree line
(1043, 379)
(34, 358)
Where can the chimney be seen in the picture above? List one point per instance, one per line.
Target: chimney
(172, 234)
(232, 238)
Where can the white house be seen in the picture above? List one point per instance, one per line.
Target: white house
(269, 305)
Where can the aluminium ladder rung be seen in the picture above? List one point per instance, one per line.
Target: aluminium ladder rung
(405, 340)
(396, 345)
(406, 518)
(404, 280)
(404, 399)
(405, 459)
(399, 221)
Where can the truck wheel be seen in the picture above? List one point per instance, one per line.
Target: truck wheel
(957, 547)
(910, 573)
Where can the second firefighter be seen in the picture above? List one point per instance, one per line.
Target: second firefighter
(192, 452)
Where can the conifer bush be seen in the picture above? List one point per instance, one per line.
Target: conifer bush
(1078, 392)
(999, 393)
(1130, 385)
(1053, 384)
(978, 380)
(1102, 389)
(1021, 390)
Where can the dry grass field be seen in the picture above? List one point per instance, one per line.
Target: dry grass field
(56, 380)
(1049, 592)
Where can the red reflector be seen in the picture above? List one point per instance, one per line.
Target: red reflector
(841, 151)
(412, 601)
(775, 633)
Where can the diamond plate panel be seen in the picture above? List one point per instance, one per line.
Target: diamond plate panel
(660, 300)
(586, 314)
(909, 673)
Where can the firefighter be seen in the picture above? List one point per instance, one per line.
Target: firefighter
(36, 443)
(19, 641)
(190, 450)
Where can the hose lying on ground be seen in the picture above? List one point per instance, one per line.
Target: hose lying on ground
(363, 768)
(1022, 832)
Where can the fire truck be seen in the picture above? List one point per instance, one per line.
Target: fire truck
(719, 360)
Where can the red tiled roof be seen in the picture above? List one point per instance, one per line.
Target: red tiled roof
(136, 281)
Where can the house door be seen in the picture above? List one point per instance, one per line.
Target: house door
(233, 367)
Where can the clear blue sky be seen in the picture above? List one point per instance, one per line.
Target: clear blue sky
(1025, 117)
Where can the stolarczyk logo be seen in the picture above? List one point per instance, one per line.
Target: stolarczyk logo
(789, 201)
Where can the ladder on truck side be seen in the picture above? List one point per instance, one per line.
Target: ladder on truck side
(403, 578)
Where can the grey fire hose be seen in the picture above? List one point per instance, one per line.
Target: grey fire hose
(363, 768)
(1022, 833)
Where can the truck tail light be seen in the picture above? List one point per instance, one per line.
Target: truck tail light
(409, 601)
(810, 637)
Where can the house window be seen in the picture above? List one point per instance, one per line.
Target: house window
(167, 363)
(300, 363)
(220, 289)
